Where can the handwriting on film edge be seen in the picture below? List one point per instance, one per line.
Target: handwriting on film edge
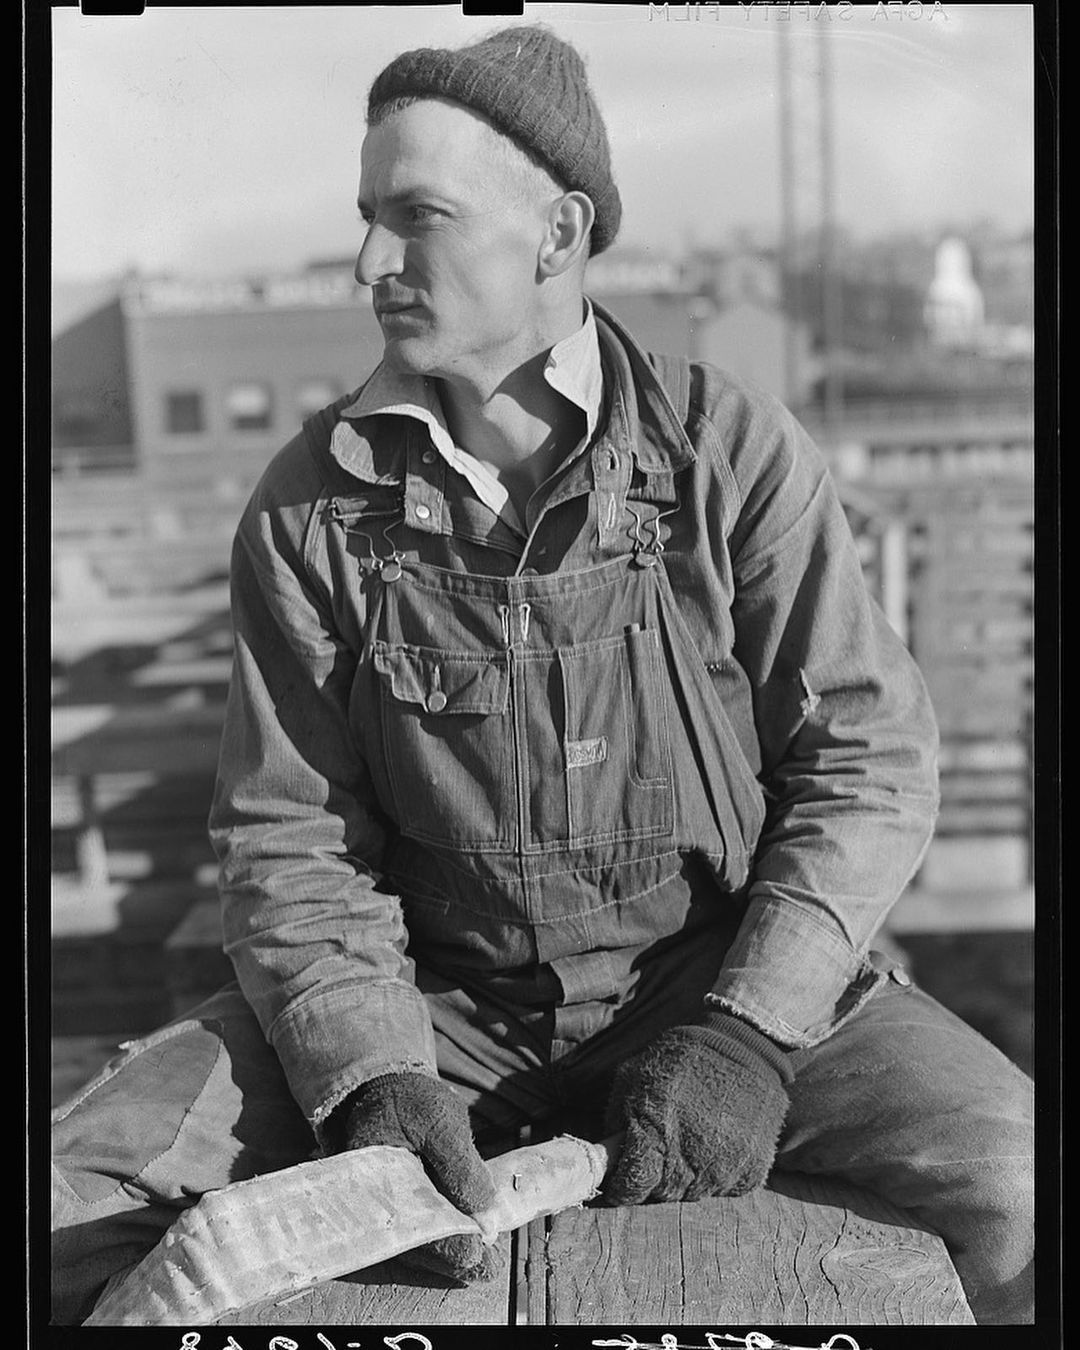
(406, 1340)
(753, 1340)
(416, 1340)
(683, 11)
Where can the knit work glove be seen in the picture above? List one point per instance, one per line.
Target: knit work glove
(701, 1108)
(422, 1114)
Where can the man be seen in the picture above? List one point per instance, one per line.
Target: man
(568, 770)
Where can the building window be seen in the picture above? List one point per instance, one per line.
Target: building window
(184, 412)
(313, 395)
(248, 407)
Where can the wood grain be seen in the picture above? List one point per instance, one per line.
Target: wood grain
(388, 1294)
(800, 1253)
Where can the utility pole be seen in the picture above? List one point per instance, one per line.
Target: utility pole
(807, 206)
(790, 273)
(832, 295)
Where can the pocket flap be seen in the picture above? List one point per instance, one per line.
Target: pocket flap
(441, 682)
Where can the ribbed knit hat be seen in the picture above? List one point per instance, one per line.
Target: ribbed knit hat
(532, 86)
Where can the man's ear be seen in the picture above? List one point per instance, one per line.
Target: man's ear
(566, 240)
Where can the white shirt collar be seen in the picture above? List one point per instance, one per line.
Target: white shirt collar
(573, 369)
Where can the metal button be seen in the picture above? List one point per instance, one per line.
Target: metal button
(430, 456)
(422, 512)
(436, 701)
(900, 975)
(390, 571)
(645, 559)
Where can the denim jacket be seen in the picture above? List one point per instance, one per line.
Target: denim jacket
(444, 744)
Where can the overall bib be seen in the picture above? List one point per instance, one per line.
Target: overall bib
(565, 782)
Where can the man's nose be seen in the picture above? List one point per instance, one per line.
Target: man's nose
(381, 255)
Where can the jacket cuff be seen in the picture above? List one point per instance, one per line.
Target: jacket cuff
(791, 977)
(338, 1038)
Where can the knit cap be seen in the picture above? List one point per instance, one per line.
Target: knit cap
(533, 87)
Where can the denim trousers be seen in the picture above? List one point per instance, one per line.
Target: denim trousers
(904, 1099)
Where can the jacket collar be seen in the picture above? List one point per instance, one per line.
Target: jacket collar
(641, 414)
(657, 437)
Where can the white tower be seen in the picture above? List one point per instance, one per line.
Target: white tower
(954, 303)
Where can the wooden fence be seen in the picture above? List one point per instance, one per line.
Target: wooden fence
(953, 566)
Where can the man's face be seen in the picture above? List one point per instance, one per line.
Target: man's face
(451, 245)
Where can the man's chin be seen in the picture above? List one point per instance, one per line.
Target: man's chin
(407, 356)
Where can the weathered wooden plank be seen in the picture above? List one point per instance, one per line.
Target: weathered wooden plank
(954, 593)
(1014, 705)
(152, 908)
(198, 603)
(136, 566)
(991, 817)
(980, 620)
(79, 638)
(985, 787)
(972, 690)
(932, 564)
(996, 662)
(922, 910)
(981, 721)
(993, 670)
(997, 613)
(1004, 548)
(195, 961)
(136, 492)
(101, 517)
(134, 798)
(801, 1252)
(991, 754)
(532, 1301)
(389, 1294)
(979, 626)
(211, 672)
(136, 739)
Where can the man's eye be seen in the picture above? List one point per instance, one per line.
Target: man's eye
(416, 213)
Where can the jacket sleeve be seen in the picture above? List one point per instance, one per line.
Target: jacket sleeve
(317, 944)
(847, 736)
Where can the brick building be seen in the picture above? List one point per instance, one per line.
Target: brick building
(184, 379)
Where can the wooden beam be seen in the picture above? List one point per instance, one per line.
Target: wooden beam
(389, 1294)
(803, 1251)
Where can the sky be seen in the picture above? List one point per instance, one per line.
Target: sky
(220, 140)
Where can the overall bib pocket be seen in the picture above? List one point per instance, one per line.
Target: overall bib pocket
(479, 755)
(448, 744)
(617, 752)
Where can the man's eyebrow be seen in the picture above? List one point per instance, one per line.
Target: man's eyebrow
(411, 194)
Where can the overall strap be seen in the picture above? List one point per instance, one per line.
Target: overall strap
(674, 375)
(684, 381)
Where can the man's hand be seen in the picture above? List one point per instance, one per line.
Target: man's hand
(701, 1108)
(422, 1114)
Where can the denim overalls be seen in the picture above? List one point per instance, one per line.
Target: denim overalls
(671, 717)
(558, 766)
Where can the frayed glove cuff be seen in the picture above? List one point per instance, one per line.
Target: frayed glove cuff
(743, 1043)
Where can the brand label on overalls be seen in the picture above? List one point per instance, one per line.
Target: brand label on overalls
(581, 753)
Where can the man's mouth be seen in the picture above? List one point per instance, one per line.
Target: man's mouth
(393, 307)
